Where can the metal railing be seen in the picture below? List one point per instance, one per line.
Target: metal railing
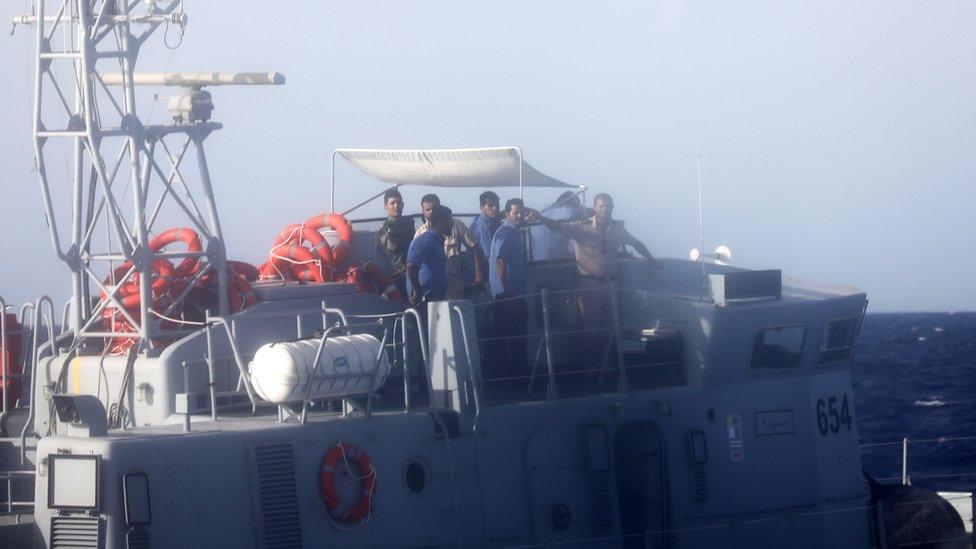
(615, 357)
(906, 477)
(38, 318)
(229, 326)
(12, 479)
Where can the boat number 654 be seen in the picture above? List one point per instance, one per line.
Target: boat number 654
(833, 413)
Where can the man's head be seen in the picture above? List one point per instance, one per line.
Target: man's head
(603, 207)
(393, 203)
(428, 203)
(441, 219)
(489, 204)
(514, 211)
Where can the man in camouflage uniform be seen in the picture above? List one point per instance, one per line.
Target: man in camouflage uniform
(394, 237)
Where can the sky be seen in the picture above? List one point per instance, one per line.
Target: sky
(836, 138)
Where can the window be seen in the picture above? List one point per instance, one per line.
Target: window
(777, 348)
(838, 339)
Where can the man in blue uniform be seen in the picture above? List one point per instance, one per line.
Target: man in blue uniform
(427, 261)
(484, 226)
(507, 275)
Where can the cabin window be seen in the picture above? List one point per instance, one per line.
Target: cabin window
(777, 348)
(838, 339)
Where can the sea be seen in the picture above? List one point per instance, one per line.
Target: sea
(914, 376)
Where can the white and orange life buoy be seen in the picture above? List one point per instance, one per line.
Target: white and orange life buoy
(296, 234)
(299, 262)
(340, 225)
(358, 464)
(369, 278)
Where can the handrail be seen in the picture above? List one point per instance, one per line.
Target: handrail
(237, 358)
(65, 315)
(9, 477)
(412, 312)
(471, 377)
(317, 364)
(905, 477)
(35, 354)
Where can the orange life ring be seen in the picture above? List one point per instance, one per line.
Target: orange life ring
(299, 260)
(161, 268)
(248, 271)
(240, 295)
(369, 278)
(190, 237)
(353, 457)
(340, 225)
(295, 234)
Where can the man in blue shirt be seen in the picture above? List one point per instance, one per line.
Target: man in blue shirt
(427, 261)
(509, 311)
(484, 226)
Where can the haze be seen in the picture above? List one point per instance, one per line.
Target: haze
(836, 138)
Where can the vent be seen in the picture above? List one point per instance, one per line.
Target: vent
(601, 508)
(137, 538)
(278, 500)
(75, 532)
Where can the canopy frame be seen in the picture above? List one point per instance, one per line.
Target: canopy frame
(517, 151)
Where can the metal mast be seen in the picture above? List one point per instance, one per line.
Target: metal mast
(125, 177)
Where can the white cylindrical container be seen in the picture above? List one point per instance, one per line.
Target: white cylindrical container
(280, 372)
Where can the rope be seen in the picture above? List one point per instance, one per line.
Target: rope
(177, 321)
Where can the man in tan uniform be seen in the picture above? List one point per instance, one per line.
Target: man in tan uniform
(596, 242)
(460, 234)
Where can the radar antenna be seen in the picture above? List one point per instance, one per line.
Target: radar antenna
(125, 177)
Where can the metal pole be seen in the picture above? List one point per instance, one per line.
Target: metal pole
(332, 183)
(219, 258)
(618, 339)
(402, 321)
(4, 350)
(520, 163)
(210, 369)
(186, 395)
(551, 389)
(904, 462)
(368, 200)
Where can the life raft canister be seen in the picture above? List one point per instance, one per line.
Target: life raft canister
(358, 464)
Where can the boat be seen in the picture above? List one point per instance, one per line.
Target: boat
(187, 400)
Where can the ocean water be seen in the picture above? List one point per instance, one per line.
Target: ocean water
(915, 376)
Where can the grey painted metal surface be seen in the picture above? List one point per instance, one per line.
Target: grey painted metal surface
(496, 469)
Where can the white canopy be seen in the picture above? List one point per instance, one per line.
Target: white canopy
(489, 167)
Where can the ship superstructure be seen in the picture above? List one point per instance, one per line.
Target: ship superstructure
(305, 413)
